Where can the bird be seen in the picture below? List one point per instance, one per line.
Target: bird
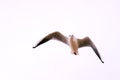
(73, 42)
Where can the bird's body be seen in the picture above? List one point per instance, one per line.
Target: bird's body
(71, 41)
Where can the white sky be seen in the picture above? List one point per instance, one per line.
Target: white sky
(24, 22)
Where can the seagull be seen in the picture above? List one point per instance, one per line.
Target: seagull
(71, 41)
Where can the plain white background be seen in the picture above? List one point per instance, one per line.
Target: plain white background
(24, 22)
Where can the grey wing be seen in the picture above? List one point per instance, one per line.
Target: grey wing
(87, 42)
(54, 35)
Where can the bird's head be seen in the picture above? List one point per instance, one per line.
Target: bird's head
(71, 36)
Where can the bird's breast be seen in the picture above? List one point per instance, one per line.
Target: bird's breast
(73, 44)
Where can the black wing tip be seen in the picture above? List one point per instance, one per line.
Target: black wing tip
(102, 61)
(34, 47)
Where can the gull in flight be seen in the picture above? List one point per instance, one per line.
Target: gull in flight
(71, 41)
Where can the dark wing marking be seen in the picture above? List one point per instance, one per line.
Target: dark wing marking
(87, 42)
(54, 35)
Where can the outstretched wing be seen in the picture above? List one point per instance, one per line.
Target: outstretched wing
(54, 35)
(87, 42)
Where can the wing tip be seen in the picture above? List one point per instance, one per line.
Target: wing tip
(102, 61)
(34, 47)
